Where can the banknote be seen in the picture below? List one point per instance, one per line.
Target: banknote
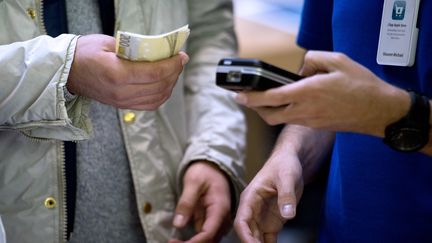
(136, 47)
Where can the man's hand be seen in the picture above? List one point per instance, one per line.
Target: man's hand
(337, 95)
(205, 201)
(99, 74)
(269, 200)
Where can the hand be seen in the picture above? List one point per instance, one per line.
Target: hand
(338, 95)
(99, 74)
(269, 200)
(206, 199)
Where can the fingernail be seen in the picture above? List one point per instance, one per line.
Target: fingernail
(178, 220)
(288, 211)
(241, 99)
(184, 59)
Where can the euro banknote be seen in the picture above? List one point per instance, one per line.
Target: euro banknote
(136, 47)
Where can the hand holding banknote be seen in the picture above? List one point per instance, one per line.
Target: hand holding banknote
(99, 74)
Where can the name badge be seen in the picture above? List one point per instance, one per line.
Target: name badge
(398, 34)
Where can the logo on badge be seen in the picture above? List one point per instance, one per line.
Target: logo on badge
(399, 10)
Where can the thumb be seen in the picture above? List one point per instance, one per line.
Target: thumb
(184, 58)
(186, 205)
(287, 199)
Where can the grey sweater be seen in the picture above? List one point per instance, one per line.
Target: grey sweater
(106, 209)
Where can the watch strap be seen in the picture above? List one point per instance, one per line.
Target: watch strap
(411, 132)
(420, 110)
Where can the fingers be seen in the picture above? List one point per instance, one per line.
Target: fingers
(186, 205)
(146, 103)
(287, 200)
(214, 224)
(271, 98)
(244, 224)
(322, 62)
(142, 97)
(269, 199)
(206, 197)
(108, 43)
(315, 62)
(151, 72)
(252, 210)
(199, 218)
(147, 85)
(270, 238)
(275, 116)
(99, 74)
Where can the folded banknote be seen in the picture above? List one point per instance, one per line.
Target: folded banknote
(136, 47)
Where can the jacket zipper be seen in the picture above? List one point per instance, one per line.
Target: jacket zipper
(61, 171)
(62, 185)
(62, 192)
(41, 17)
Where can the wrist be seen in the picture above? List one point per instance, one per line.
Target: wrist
(398, 103)
(68, 95)
(411, 132)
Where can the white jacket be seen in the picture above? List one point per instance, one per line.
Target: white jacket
(199, 121)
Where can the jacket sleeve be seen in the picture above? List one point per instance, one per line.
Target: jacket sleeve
(217, 124)
(33, 74)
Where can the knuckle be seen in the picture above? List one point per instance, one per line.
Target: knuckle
(186, 205)
(117, 98)
(339, 57)
(161, 89)
(155, 74)
(115, 78)
(279, 98)
(309, 55)
(172, 81)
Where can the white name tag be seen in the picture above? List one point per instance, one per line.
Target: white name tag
(398, 35)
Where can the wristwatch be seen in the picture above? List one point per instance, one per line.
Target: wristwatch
(411, 132)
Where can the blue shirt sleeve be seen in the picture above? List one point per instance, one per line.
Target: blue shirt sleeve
(316, 25)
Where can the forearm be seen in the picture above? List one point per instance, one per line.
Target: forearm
(396, 104)
(25, 89)
(310, 145)
(32, 95)
(211, 111)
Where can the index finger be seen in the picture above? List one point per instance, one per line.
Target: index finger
(270, 98)
(151, 72)
(186, 204)
(241, 224)
(212, 227)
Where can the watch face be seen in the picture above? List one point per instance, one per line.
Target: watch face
(407, 139)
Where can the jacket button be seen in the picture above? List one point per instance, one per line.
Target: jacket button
(31, 12)
(147, 207)
(129, 117)
(50, 203)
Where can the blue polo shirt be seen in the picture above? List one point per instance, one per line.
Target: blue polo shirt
(374, 194)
